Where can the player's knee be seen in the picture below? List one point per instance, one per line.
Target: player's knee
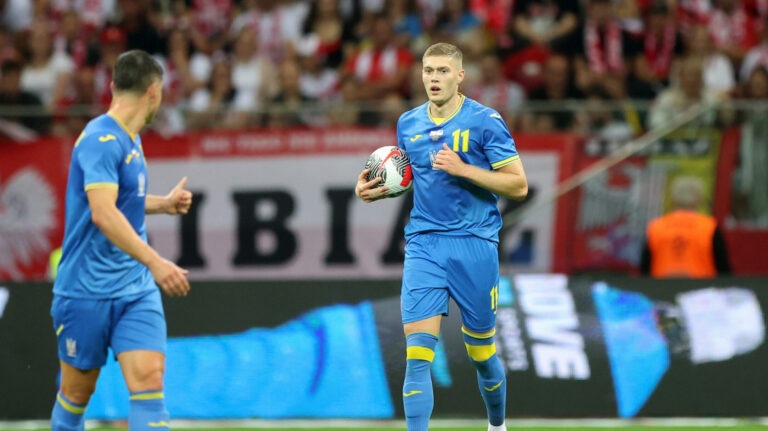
(148, 378)
(480, 345)
(78, 393)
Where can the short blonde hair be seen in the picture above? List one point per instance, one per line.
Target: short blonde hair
(687, 192)
(443, 49)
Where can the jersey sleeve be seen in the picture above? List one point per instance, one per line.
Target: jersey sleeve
(498, 145)
(400, 142)
(99, 155)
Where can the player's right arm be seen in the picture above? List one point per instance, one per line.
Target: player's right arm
(118, 230)
(99, 157)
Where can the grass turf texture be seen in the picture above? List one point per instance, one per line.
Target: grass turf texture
(562, 428)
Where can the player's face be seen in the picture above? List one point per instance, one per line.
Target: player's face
(441, 77)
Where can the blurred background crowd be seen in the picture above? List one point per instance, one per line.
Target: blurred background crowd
(614, 66)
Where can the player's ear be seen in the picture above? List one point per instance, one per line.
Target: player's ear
(155, 90)
(461, 75)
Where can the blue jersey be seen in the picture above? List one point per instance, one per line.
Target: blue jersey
(442, 202)
(106, 155)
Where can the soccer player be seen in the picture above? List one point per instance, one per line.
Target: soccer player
(462, 158)
(105, 293)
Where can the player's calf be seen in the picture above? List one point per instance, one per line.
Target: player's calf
(491, 378)
(418, 398)
(67, 414)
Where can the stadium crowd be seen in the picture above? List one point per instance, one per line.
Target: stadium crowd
(252, 63)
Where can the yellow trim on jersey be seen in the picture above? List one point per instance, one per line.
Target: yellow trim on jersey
(148, 396)
(124, 127)
(92, 186)
(505, 162)
(61, 328)
(492, 388)
(69, 407)
(79, 138)
(440, 121)
(159, 424)
(479, 336)
(481, 353)
(419, 352)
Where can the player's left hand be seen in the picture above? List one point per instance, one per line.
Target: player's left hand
(447, 160)
(179, 199)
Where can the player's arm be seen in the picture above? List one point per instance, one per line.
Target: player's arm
(177, 201)
(508, 181)
(118, 230)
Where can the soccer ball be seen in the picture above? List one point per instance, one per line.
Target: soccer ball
(394, 167)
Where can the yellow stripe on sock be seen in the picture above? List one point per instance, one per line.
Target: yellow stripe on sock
(61, 328)
(479, 336)
(148, 396)
(481, 353)
(69, 407)
(411, 393)
(159, 424)
(419, 352)
(492, 388)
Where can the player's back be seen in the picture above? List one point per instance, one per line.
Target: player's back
(105, 155)
(442, 202)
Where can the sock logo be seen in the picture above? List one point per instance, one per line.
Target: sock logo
(491, 389)
(158, 424)
(411, 393)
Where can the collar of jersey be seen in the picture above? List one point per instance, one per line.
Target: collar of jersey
(440, 121)
(124, 127)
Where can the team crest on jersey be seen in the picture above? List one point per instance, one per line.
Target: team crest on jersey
(71, 348)
(436, 134)
(134, 155)
(142, 184)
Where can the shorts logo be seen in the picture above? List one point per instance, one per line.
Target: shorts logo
(71, 348)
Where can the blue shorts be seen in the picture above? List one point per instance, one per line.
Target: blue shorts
(438, 267)
(86, 327)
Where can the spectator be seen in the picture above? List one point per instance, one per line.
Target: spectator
(290, 103)
(718, 70)
(379, 69)
(693, 12)
(324, 33)
(210, 106)
(756, 57)
(72, 38)
(732, 29)
(16, 15)
(456, 22)
(139, 31)
(557, 86)
(7, 49)
(12, 94)
(184, 71)
(80, 104)
(546, 22)
(688, 90)
(659, 45)
(600, 63)
(496, 14)
(111, 44)
(277, 26)
(316, 82)
(47, 73)
(406, 21)
(93, 14)
(252, 75)
(493, 90)
(750, 180)
(684, 243)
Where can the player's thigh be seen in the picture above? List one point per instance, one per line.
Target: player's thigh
(139, 340)
(424, 292)
(430, 325)
(473, 281)
(78, 385)
(82, 328)
(142, 369)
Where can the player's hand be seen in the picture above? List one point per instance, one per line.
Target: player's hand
(447, 160)
(179, 199)
(365, 189)
(170, 278)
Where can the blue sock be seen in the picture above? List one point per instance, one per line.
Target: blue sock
(417, 389)
(491, 378)
(66, 415)
(148, 412)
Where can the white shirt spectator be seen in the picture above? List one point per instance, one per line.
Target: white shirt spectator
(274, 28)
(719, 75)
(42, 80)
(249, 79)
(93, 13)
(323, 86)
(17, 14)
(756, 57)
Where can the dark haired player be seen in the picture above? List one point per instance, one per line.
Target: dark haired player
(105, 294)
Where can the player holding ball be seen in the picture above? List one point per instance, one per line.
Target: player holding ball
(462, 158)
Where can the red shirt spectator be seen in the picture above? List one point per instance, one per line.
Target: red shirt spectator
(732, 29)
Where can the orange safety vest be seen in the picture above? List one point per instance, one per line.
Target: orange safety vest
(681, 245)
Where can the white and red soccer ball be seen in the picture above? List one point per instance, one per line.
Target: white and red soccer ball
(394, 167)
